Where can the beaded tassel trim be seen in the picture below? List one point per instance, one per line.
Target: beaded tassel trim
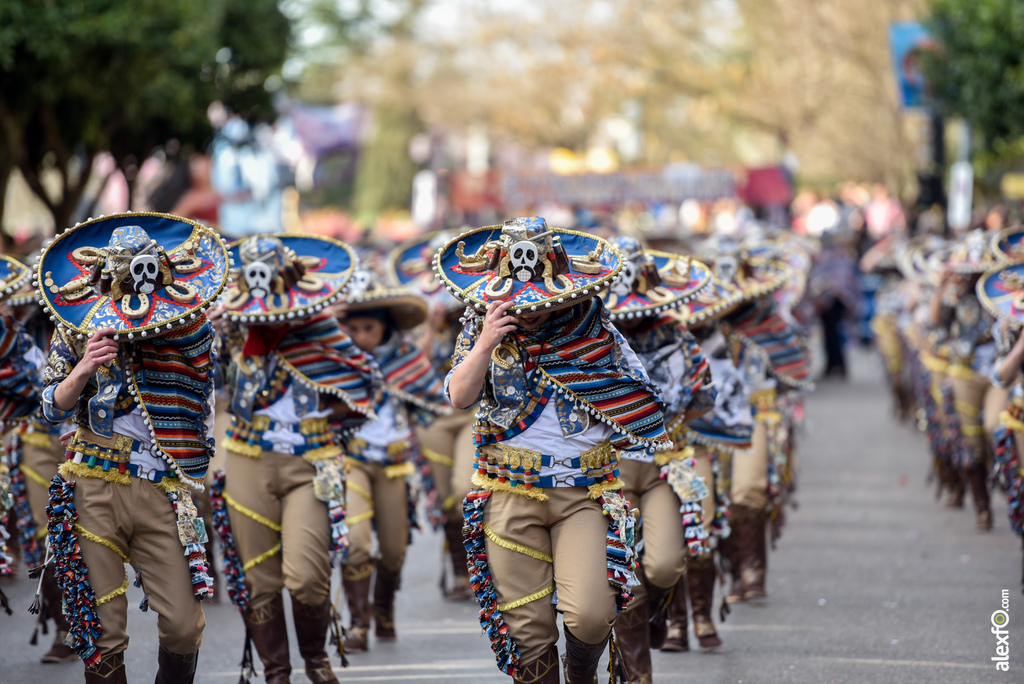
(621, 554)
(28, 533)
(1010, 476)
(71, 572)
(506, 651)
(234, 575)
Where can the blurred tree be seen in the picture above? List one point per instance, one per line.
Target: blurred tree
(978, 71)
(125, 76)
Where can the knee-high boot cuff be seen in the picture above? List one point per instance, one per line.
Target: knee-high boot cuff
(543, 670)
(266, 627)
(109, 670)
(581, 658)
(176, 668)
(311, 626)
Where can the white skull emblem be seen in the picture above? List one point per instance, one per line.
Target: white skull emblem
(258, 277)
(627, 276)
(144, 269)
(523, 257)
(725, 269)
(359, 283)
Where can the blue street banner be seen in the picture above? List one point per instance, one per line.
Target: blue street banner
(907, 40)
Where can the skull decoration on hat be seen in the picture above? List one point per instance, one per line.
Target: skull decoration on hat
(652, 282)
(524, 261)
(141, 274)
(365, 292)
(282, 277)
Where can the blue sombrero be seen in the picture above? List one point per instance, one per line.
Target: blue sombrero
(14, 278)
(410, 265)
(1001, 291)
(141, 274)
(652, 282)
(286, 276)
(1008, 245)
(523, 261)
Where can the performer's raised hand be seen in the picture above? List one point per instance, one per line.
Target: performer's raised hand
(99, 350)
(497, 324)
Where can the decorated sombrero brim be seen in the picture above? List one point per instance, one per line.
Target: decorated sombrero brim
(326, 266)
(680, 279)
(469, 263)
(407, 308)
(755, 277)
(971, 254)
(1001, 291)
(142, 274)
(914, 258)
(1008, 245)
(710, 305)
(15, 281)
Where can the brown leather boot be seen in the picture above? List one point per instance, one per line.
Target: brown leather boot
(543, 670)
(979, 492)
(633, 646)
(954, 485)
(756, 558)
(460, 589)
(176, 668)
(385, 584)
(701, 580)
(658, 599)
(676, 639)
(311, 625)
(110, 670)
(269, 633)
(735, 550)
(59, 652)
(356, 581)
(581, 659)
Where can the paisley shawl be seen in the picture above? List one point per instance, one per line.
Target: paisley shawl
(577, 355)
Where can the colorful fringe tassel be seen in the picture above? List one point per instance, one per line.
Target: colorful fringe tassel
(1008, 474)
(31, 549)
(620, 551)
(720, 524)
(506, 651)
(195, 552)
(234, 575)
(71, 572)
(693, 528)
(432, 504)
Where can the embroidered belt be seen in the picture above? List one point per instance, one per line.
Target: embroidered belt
(246, 438)
(1013, 416)
(91, 455)
(399, 459)
(501, 467)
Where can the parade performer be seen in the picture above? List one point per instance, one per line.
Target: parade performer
(132, 364)
(561, 394)
(380, 457)
(445, 446)
(714, 437)
(34, 452)
(976, 401)
(881, 260)
(664, 487)
(770, 353)
(19, 397)
(279, 507)
(1001, 291)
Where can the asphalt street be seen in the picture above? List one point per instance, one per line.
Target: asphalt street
(873, 581)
